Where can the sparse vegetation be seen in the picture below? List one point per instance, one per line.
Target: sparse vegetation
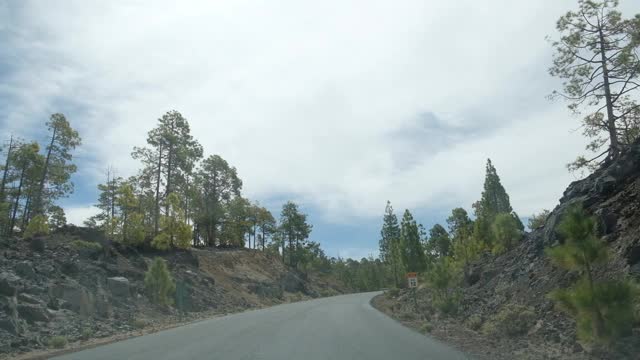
(474, 322)
(537, 221)
(426, 328)
(37, 226)
(511, 321)
(86, 334)
(86, 245)
(58, 342)
(139, 323)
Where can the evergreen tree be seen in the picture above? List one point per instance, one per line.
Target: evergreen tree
(439, 241)
(494, 201)
(174, 231)
(295, 230)
(412, 253)
(217, 183)
(237, 222)
(159, 283)
(132, 229)
(596, 57)
(603, 310)
(170, 158)
(25, 167)
(506, 232)
(57, 169)
(266, 224)
(390, 243)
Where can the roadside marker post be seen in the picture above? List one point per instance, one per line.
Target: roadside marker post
(412, 282)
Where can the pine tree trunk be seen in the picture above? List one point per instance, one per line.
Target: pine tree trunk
(157, 208)
(38, 200)
(6, 170)
(611, 118)
(17, 200)
(598, 320)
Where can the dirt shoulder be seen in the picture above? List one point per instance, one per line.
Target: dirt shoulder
(456, 333)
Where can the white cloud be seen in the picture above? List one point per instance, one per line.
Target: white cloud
(308, 98)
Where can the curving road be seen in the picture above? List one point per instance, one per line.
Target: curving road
(341, 327)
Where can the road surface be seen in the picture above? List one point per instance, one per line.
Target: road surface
(336, 328)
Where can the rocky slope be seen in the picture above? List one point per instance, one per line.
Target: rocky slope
(524, 275)
(55, 285)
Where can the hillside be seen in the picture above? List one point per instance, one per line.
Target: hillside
(524, 276)
(56, 285)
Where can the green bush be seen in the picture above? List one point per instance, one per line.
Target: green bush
(86, 334)
(474, 322)
(159, 283)
(86, 245)
(615, 301)
(506, 233)
(603, 310)
(513, 320)
(426, 328)
(58, 342)
(139, 323)
(392, 293)
(444, 278)
(39, 225)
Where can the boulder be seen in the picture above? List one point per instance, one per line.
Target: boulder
(9, 283)
(119, 286)
(28, 299)
(9, 320)
(33, 313)
(74, 296)
(605, 185)
(25, 269)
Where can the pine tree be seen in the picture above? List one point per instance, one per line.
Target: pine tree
(439, 243)
(596, 57)
(174, 231)
(390, 243)
(603, 310)
(505, 232)
(57, 169)
(159, 283)
(170, 159)
(494, 201)
(295, 230)
(132, 229)
(412, 252)
(216, 184)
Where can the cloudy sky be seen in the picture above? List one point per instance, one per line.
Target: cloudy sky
(338, 105)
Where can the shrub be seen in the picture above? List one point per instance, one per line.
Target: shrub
(615, 301)
(86, 245)
(86, 333)
(58, 342)
(513, 320)
(538, 220)
(506, 233)
(139, 323)
(392, 293)
(37, 226)
(426, 328)
(158, 283)
(603, 310)
(444, 278)
(474, 322)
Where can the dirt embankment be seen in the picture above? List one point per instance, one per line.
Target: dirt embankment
(55, 286)
(522, 278)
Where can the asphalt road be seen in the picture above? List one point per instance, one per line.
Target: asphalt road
(341, 327)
